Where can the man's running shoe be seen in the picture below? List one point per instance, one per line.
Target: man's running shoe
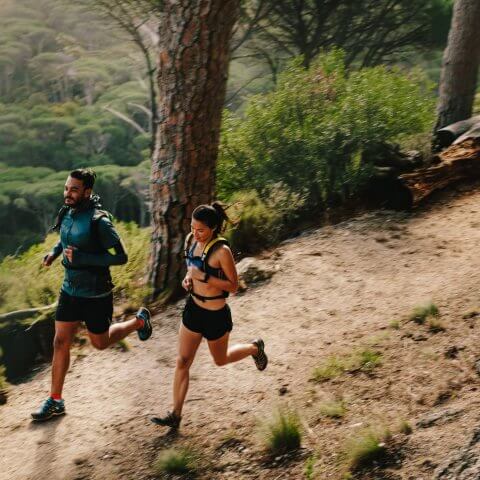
(50, 408)
(145, 332)
(171, 420)
(261, 359)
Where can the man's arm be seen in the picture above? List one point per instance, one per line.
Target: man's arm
(110, 239)
(51, 256)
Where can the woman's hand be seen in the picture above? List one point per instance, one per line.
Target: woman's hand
(187, 283)
(195, 273)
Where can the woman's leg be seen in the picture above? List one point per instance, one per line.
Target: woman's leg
(188, 343)
(222, 354)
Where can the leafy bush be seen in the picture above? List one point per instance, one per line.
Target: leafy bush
(311, 131)
(262, 222)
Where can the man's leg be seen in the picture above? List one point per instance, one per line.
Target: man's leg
(54, 405)
(115, 333)
(64, 333)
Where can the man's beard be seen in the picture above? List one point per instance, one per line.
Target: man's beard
(73, 203)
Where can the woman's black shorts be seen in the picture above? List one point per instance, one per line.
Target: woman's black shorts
(95, 312)
(212, 324)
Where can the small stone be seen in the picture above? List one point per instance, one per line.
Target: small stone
(282, 390)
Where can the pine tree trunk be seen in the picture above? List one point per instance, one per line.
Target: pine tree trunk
(460, 64)
(193, 66)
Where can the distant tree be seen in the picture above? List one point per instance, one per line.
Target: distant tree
(461, 61)
(369, 31)
(139, 20)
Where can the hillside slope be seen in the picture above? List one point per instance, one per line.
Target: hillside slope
(337, 289)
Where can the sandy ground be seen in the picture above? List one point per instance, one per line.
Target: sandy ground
(337, 289)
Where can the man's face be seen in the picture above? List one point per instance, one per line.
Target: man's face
(75, 192)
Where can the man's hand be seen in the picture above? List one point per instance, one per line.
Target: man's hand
(187, 283)
(68, 252)
(48, 260)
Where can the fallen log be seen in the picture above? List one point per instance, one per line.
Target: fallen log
(458, 162)
(447, 135)
(474, 132)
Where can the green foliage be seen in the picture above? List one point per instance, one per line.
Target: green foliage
(283, 433)
(25, 283)
(176, 461)
(259, 222)
(309, 134)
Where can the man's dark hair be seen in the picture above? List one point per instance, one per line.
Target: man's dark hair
(86, 175)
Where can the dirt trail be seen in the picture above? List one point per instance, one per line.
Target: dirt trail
(335, 288)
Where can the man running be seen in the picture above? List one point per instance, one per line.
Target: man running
(86, 236)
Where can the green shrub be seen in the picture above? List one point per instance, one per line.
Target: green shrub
(176, 461)
(261, 223)
(283, 433)
(312, 131)
(24, 283)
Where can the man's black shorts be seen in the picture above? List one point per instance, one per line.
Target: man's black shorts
(212, 324)
(95, 312)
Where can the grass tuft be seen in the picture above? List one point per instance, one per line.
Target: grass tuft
(123, 345)
(422, 312)
(394, 324)
(176, 461)
(363, 360)
(366, 447)
(333, 409)
(405, 428)
(283, 433)
(435, 325)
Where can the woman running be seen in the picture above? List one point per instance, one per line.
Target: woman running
(211, 276)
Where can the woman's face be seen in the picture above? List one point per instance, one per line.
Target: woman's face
(201, 231)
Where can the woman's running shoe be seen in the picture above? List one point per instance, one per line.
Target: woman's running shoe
(171, 420)
(261, 359)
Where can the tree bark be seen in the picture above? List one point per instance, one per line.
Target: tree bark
(193, 65)
(460, 65)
